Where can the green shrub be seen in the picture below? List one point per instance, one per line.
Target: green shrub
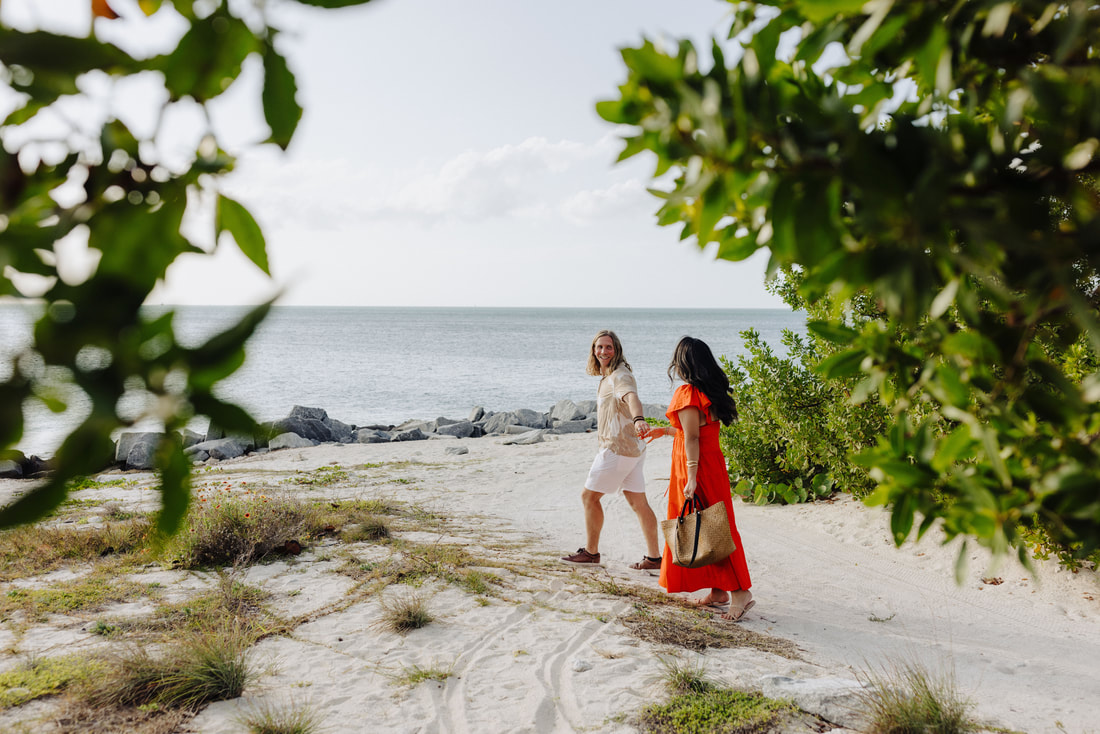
(45, 677)
(718, 711)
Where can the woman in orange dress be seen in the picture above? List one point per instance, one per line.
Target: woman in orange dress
(699, 468)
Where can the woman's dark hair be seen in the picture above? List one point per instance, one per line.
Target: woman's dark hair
(693, 363)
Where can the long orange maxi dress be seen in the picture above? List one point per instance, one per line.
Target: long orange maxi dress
(712, 482)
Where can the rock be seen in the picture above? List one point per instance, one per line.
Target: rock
(372, 435)
(198, 457)
(36, 466)
(531, 418)
(413, 434)
(476, 414)
(289, 441)
(565, 410)
(317, 414)
(310, 428)
(579, 665)
(836, 700)
(142, 455)
(190, 438)
(461, 429)
(577, 426)
(411, 424)
(10, 469)
(498, 422)
(221, 448)
(341, 432)
(128, 440)
(525, 439)
(651, 410)
(588, 407)
(213, 432)
(456, 450)
(376, 427)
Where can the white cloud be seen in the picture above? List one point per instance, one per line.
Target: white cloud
(626, 197)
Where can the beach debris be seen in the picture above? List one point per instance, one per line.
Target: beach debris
(580, 665)
(993, 580)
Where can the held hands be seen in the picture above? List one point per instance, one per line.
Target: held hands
(658, 432)
(643, 429)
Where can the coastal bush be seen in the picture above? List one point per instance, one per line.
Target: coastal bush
(133, 189)
(713, 711)
(963, 212)
(205, 665)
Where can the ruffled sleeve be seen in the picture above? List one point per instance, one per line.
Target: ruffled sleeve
(687, 396)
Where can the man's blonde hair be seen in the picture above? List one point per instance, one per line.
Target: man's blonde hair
(594, 364)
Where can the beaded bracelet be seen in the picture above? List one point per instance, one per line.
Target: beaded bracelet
(639, 418)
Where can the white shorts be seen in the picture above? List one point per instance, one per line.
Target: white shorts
(611, 472)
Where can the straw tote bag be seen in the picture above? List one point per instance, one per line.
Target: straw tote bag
(700, 537)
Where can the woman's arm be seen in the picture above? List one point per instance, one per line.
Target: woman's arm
(689, 423)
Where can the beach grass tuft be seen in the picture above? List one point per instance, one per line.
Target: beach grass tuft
(29, 550)
(684, 676)
(404, 613)
(368, 529)
(267, 717)
(45, 676)
(907, 697)
(669, 625)
(415, 674)
(206, 665)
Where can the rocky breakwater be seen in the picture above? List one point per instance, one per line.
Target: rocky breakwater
(312, 426)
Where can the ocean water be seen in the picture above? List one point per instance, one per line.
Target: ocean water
(387, 365)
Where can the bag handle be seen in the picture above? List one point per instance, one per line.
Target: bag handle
(697, 507)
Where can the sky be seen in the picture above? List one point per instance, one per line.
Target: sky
(450, 155)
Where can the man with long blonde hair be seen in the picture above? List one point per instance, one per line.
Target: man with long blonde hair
(620, 430)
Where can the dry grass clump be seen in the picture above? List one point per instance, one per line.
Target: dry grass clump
(87, 593)
(404, 613)
(694, 631)
(234, 527)
(30, 550)
(77, 717)
(905, 697)
(230, 599)
(266, 717)
(206, 665)
(368, 529)
(683, 676)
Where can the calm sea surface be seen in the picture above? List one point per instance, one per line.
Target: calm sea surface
(386, 365)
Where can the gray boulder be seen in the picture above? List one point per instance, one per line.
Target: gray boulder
(578, 426)
(10, 469)
(372, 435)
(142, 454)
(524, 439)
(198, 457)
(289, 441)
(412, 434)
(128, 440)
(531, 418)
(214, 432)
(498, 422)
(310, 428)
(651, 410)
(221, 448)
(341, 432)
(461, 429)
(190, 438)
(476, 414)
(587, 407)
(836, 700)
(456, 450)
(565, 410)
(317, 414)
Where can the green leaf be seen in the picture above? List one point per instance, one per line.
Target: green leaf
(817, 11)
(333, 3)
(281, 108)
(208, 57)
(233, 218)
(901, 519)
(960, 564)
(832, 331)
(223, 353)
(175, 483)
(841, 364)
(68, 56)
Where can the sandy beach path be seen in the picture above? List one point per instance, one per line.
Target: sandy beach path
(549, 652)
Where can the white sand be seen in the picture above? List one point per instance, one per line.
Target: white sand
(547, 655)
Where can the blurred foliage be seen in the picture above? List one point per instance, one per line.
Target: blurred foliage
(73, 175)
(938, 160)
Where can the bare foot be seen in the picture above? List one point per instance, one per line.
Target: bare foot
(741, 602)
(712, 599)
